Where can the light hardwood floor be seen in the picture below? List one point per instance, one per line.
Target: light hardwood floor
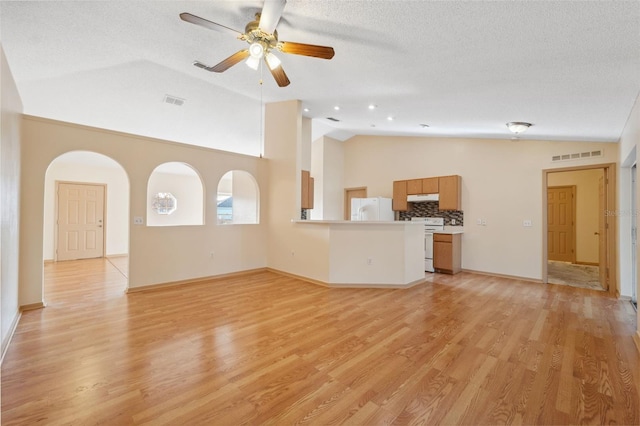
(269, 349)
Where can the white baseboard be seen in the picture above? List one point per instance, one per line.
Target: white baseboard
(7, 340)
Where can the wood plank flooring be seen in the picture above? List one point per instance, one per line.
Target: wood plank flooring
(269, 349)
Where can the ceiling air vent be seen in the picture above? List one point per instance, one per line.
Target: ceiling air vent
(173, 100)
(577, 156)
(332, 119)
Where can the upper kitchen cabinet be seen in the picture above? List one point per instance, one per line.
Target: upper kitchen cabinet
(400, 195)
(430, 185)
(414, 187)
(307, 190)
(450, 190)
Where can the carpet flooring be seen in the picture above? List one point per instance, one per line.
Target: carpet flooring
(583, 276)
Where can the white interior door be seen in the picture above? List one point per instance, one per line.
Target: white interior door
(80, 221)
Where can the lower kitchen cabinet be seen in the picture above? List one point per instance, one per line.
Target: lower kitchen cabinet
(447, 253)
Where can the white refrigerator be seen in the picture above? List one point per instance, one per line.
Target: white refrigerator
(372, 209)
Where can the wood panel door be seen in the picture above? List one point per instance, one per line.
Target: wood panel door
(80, 221)
(561, 223)
(350, 193)
(602, 236)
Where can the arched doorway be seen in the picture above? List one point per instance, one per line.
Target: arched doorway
(86, 210)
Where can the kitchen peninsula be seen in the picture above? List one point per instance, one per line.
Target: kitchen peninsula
(364, 254)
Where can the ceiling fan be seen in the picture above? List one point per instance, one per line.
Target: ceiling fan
(262, 37)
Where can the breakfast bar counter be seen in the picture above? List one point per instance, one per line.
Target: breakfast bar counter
(366, 253)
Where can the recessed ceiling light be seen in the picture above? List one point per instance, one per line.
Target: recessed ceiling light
(306, 110)
(337, 108)
(390, 118)
(372, 106)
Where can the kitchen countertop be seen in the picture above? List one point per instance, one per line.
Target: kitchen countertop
(451, 230)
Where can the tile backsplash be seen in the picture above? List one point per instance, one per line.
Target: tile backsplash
(430, 209)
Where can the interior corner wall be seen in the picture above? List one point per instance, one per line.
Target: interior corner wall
(333, 182)
(10, 153)
(327, 159)
(292, 248)
(501, 184)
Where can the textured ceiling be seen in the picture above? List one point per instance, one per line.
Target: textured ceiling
(464, 68)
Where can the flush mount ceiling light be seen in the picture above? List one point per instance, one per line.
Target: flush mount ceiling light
(518, 126)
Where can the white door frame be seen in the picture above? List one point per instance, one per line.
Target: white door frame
(611, 222)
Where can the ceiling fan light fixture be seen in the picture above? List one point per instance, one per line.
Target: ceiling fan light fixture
(253, 63)
(272, 60)
(256, 50)
(518, 126)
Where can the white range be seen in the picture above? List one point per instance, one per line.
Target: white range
(431, 225)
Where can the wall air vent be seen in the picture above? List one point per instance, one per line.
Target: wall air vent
(577, 156)
(332, 119)
(173, 100)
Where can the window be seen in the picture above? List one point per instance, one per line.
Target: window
(168, 184)
(237, 198)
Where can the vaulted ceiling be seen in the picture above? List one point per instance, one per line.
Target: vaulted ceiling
(572, 68)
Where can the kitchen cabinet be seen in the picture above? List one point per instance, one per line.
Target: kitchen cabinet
(307, 190)
(447, 253)
(450, 190)
(400, 196)
(414, 187)
(430, 185)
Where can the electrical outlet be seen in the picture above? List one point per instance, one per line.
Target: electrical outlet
(484, 222)
(293, 253)
(137, 220)
(369, 261)
(212, 254)
(527, 223)
(453, 221)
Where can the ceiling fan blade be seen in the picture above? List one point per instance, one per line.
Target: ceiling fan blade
(193, 19)
(230, 61)
(279, 75)
(270, 16)
(323, 52)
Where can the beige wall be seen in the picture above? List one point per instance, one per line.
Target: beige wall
(157, 254)
(328, 171)
(501, 184)
(10, 152)
(245, 198)
(587, 209)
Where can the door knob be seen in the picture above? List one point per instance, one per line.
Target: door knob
(596, 233)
